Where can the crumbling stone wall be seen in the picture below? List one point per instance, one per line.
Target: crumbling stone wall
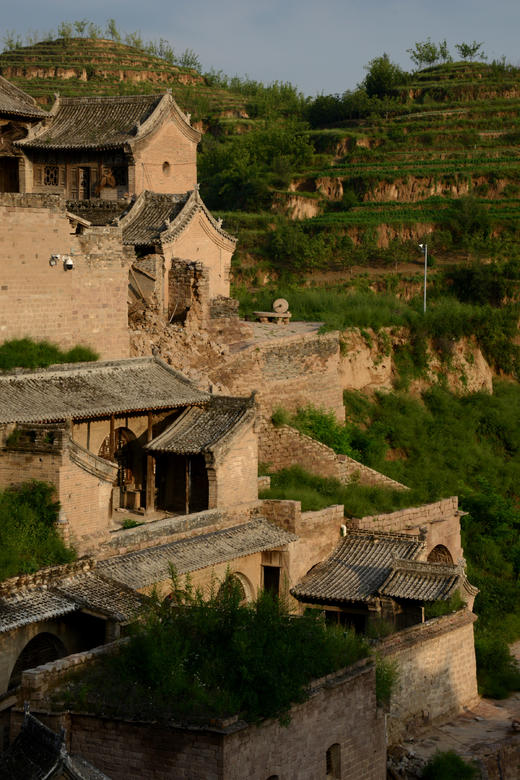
(287, 372)
(188, 293)
(284, 446)
(85, 305)
(223, 308)
(436, 673)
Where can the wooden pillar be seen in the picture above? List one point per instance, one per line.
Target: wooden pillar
(112, 444)
(187, 484)
(150, 474)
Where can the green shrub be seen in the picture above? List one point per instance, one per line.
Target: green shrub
(25, 353)
(435, 609)
(448, 766)
(387, 674)
(196, 658)
(497, 671)
(29, 539)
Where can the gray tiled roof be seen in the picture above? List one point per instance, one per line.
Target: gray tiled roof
(357, 568)
(82, 390)
(16, 102)
(422, 581)
(197, 429)
(94, 122)
(96, 210)
(156, 216)
(150, 216)
(146, 567)
(85, 590)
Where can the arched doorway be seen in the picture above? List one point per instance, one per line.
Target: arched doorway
(41, 649)
(440, 554)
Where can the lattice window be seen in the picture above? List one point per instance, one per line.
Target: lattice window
(50, 175)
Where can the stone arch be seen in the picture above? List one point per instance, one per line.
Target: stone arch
(41, 649)
(440, 554)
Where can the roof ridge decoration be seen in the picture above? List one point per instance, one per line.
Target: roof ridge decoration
(193, 206)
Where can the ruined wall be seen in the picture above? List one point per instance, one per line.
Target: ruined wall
(436, 673)
(284, 446)
(201, 242)
(440, 520)
(166, 161)
(289, 372)
(341, 709)
(86, 305)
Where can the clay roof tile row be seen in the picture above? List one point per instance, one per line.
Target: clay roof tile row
(81, 390)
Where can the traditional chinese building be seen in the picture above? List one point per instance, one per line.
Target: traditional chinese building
(109, 148)
(18, 113)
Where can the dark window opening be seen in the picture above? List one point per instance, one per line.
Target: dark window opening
(182, 483)
(50, 175)
(333, 761)
(272, 580)
(440, 554)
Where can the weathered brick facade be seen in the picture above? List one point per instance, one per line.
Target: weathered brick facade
(436, 673)
(84, 305)
(284, 446)
(340, 711)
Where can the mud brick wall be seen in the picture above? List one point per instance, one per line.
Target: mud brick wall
(188, 292)
(436, 673)
(341, 709)
(287, 372)
(441, 520)
(233, 479)
(86, 305)
(284, 446)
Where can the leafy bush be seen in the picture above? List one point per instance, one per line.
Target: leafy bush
(197, 658)
(387, 673)
(29, 539)
(323, 426)
(448, 766)
(25, 353)
(435, 609)
(497, 671)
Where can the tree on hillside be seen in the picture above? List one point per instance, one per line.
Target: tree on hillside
(468, 51)
(383, 76)
(424, 53)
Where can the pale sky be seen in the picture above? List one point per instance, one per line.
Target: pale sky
(318, 46)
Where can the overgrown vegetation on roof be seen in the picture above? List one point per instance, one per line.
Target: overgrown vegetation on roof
(29, 538)
(194, 658)
(26, 353)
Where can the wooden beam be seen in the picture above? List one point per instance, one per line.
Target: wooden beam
(150, 473)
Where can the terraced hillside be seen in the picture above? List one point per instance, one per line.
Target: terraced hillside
(82, 66)
(435, 159)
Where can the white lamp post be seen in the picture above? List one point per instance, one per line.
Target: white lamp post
(424, 248)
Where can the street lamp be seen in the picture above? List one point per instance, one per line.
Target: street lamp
(424, 248)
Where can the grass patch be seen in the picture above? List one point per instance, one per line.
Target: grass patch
(316, 492)
(29, 539)
(449, 766)
(26, 353)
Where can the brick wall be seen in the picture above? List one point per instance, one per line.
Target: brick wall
(236, 471)
(86, 305)
(284, 446)
(436, 673)
(168, 145)
(441, 520)
(341, 709)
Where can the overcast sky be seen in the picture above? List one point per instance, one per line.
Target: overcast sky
(319, 45)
